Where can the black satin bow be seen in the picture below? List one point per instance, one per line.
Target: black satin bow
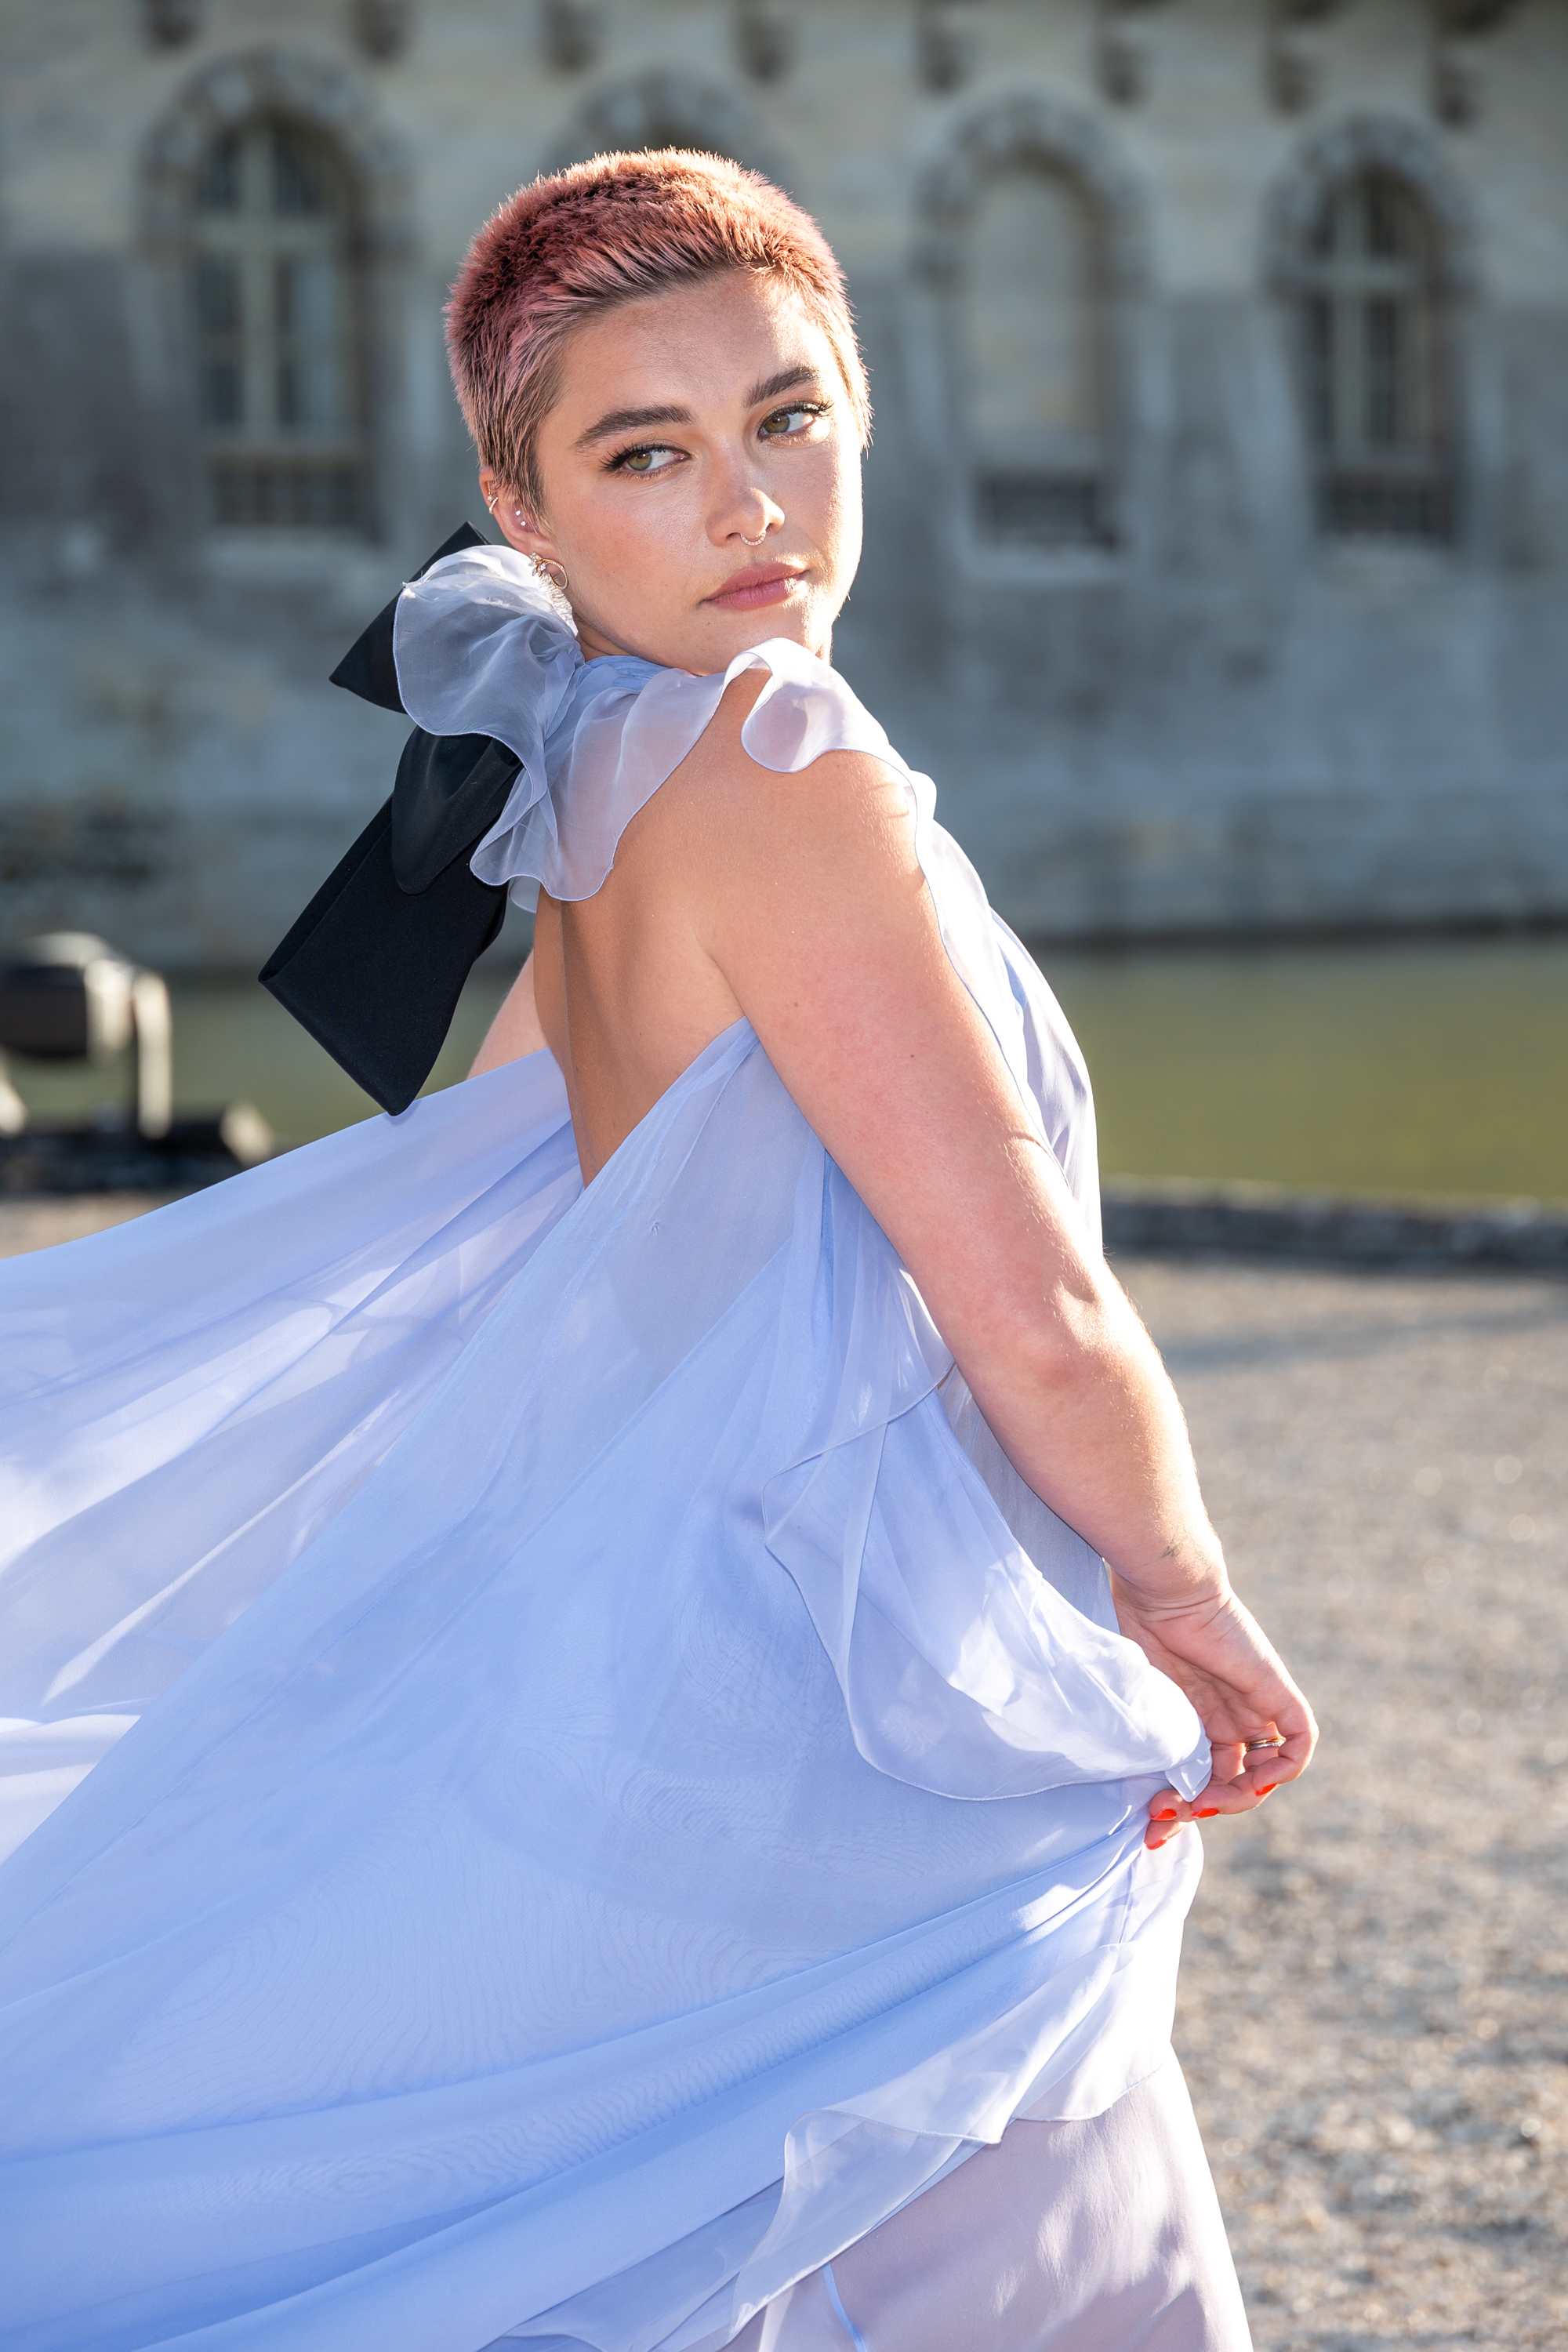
(374, 966)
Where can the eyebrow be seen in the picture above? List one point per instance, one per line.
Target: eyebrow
(627, 420)
(632, 420)
(786, 380)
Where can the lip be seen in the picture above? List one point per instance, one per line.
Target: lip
(756, 583)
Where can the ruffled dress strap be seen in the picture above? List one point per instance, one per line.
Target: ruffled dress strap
(484, 647)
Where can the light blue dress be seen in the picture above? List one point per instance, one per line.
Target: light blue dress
(588, 1781)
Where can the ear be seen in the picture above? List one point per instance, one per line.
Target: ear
(517, 527)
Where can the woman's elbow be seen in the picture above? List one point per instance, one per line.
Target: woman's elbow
(1077, 1330)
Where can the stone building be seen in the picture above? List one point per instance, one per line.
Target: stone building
(1218, 561)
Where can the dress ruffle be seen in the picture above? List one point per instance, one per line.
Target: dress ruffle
(621, 1784)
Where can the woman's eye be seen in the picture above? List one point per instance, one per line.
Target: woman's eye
(649, 458)
(785, 423)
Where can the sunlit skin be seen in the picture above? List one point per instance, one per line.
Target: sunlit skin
(796, 903)
(742, 433)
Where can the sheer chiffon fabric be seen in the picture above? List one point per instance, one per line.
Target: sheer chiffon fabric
(557, 1778)
(1065, 2236)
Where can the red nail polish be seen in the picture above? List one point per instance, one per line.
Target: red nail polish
(1268, 1791)
(1162, 1817)
(1206, 1813)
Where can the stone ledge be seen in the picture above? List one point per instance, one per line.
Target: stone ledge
(1190, 1220)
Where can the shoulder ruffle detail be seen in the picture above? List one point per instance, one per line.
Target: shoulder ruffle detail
(483, 648)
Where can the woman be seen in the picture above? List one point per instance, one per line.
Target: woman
(661, 1607)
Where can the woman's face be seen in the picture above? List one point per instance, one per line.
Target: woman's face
(701, 476)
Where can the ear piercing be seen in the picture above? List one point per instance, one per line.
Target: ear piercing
(547, 566)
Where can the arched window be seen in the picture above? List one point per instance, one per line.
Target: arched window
(276, 302)
(1033, 289)
(1372, 349)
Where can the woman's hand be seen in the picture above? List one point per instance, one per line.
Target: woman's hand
(1260, 1727)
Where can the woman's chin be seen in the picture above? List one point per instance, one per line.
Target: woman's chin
(716, 636)
(800, 620)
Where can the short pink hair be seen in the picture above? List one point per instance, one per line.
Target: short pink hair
(606, 232)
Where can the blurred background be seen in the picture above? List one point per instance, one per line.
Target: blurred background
(1218, 549)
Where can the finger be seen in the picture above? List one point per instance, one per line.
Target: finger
(1168, 1814)
(1260, 1764)
(1246, 1793)
(1295, 1752)
(1288, 1761)
(1240, 1795)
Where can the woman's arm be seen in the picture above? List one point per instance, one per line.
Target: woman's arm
(515, 1030)
(813, 907)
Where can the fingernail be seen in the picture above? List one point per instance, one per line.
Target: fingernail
(1206, 1813)
(1268, 1791)
(1162, 1817)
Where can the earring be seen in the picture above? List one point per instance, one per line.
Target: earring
(491, 503)
(548, 566)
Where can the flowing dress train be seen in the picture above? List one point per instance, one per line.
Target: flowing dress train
(558, 1786)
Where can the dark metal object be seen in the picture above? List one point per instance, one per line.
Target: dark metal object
(67, 997)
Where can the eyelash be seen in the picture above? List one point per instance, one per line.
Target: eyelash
(812, 408)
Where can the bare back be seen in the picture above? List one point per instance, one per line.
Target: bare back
(626, 995)
(628, 992)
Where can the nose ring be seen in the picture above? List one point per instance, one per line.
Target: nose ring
(759, 539)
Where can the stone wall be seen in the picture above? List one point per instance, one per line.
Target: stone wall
(1221, 722)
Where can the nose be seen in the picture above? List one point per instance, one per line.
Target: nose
(746, 514)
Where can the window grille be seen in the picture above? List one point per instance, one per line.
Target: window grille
(275, 304)
(1036, 365)
(1372, 348)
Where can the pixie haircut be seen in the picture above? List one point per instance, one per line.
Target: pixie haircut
(603, 233)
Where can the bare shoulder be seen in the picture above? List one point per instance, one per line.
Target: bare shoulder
(744, 828)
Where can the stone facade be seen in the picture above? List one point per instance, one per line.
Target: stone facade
(1183, 651)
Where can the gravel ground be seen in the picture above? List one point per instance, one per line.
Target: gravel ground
(1373, 2014)
(30, 1224)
